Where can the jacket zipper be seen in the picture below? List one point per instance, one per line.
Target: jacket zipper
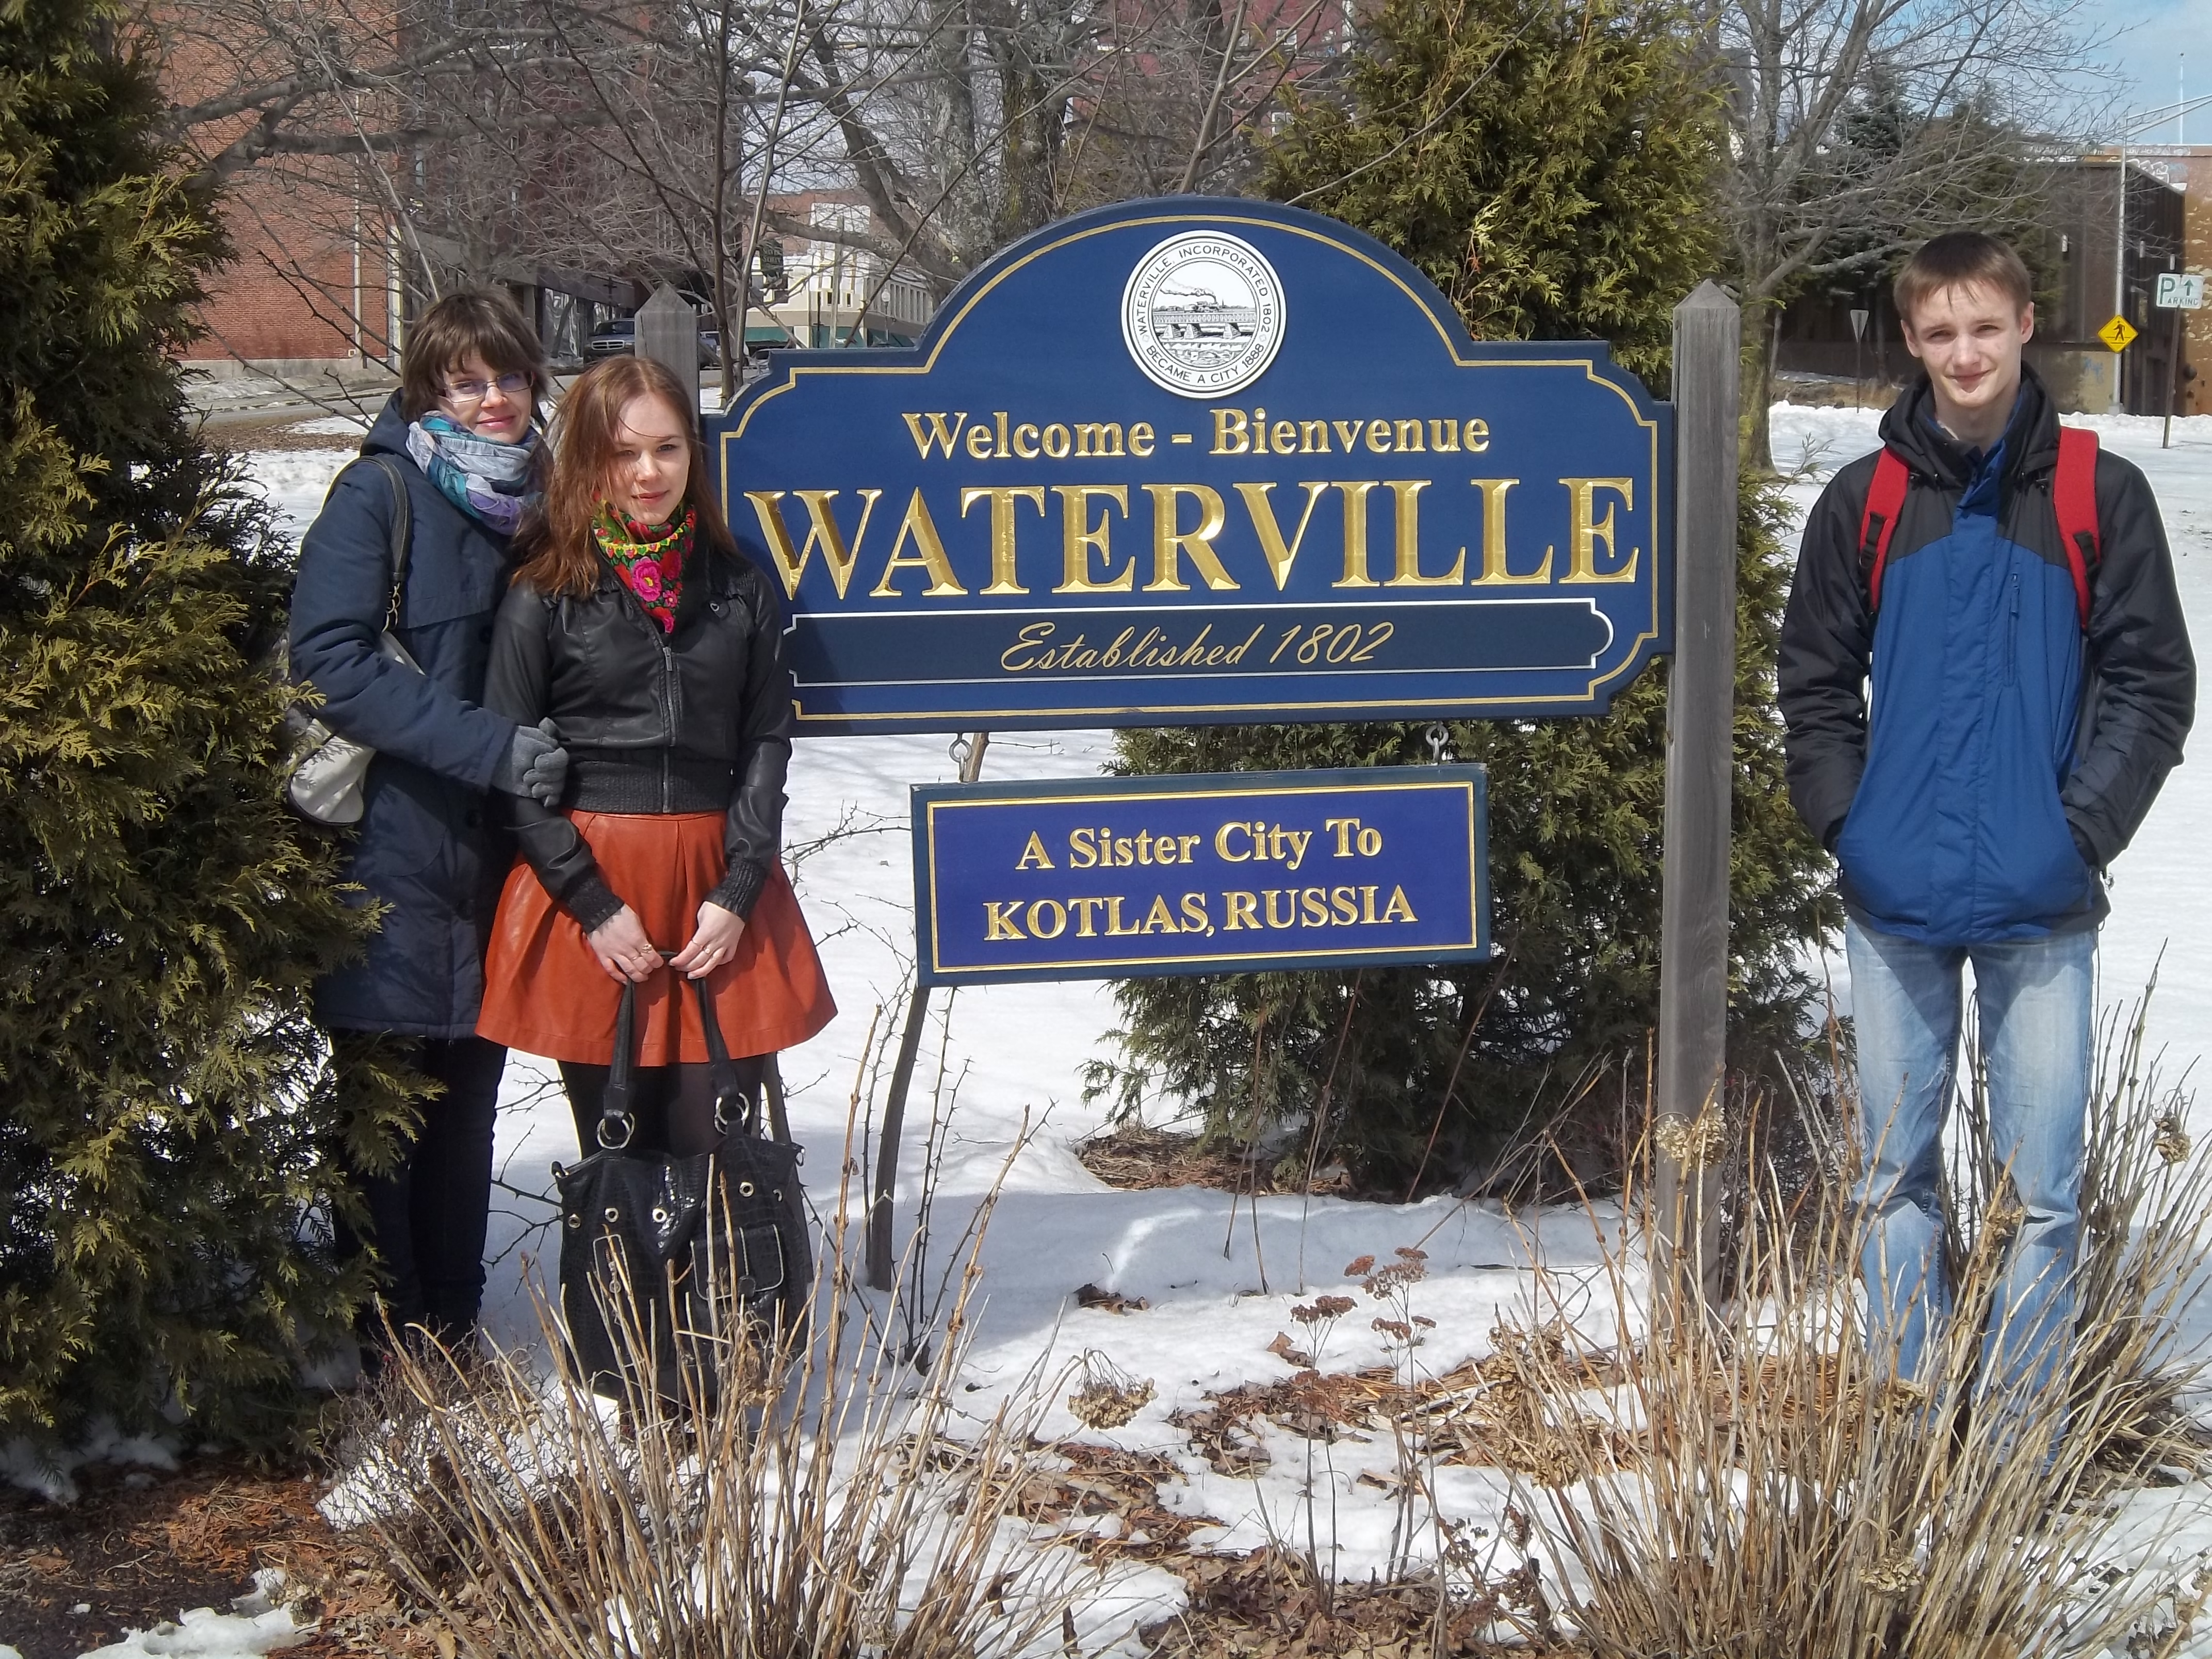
(2012, 635)
(672, 695)
(675, 696)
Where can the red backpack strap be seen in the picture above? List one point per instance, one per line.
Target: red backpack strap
(2074, 494)
(1878, 521)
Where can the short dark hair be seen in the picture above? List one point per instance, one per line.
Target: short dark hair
(1962, 258)
(480, 320)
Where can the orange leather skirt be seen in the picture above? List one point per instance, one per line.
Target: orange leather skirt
(545, 992)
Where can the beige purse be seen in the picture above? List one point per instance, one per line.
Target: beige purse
(327, 771)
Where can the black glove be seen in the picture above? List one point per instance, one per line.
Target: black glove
(536, 764)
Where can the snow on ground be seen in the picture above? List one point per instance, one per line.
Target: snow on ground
(254, 1625)
(999, 1095)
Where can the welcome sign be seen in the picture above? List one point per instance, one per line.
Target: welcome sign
(1193, 460)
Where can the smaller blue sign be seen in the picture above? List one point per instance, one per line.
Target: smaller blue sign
(1209, 873)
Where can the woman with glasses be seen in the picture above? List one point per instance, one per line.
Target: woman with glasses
(458, 444)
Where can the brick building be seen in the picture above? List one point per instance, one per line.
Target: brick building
(2188, 169)
(2164, 227)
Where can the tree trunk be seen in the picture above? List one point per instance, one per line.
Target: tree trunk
(1759, 317)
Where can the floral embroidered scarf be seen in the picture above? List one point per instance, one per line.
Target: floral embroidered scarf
(490, 481)
(650, 558)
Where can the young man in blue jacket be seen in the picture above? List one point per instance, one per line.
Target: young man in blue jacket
(1982, 702)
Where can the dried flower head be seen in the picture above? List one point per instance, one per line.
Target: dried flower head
(1109, 1396)
(1359, 1268)
(1692, 1143)
(1899, 1575)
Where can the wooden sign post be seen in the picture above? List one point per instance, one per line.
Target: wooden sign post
(668, 332)
(1687, 1129)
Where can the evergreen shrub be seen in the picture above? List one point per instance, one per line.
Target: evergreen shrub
(1549, 165)
(166, 1113)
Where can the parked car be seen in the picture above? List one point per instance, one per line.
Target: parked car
(614, 339)
(619, 338)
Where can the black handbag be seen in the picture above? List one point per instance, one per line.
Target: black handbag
(691, 1253)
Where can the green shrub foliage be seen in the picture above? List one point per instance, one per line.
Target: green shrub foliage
(1549, 166)
(165, 1114)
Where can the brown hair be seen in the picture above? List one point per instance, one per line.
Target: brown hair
(480, 320)
(1961, 258)
(556, 546)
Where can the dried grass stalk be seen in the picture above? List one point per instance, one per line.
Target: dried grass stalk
(1758, 1487)
(821, 1498)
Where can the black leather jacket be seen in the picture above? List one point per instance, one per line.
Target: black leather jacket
(696, 720)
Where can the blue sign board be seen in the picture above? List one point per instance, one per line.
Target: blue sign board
(1226, 873)
(1191, 460)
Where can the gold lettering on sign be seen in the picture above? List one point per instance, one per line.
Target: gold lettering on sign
(1408, 492)
(939, 437)
(1080, 539)
(1002, 501)
(1355, 535)
(1586, 530)
(1171, 542)
(919, 527)
(1280, 556)
(1494, 571)
(823, 529)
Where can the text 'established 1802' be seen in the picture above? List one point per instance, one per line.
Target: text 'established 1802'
(1192, 460)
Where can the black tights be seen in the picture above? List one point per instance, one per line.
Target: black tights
(674, 1105)
(427, 1215)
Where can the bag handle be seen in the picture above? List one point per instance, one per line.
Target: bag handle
(402, 535)
(617, 1122)
(723, 1071)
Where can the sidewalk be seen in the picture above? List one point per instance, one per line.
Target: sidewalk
(262, 399)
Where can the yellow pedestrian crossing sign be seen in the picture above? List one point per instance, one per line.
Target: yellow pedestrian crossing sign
(2118, 334)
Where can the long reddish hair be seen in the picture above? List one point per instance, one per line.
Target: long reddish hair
(557, 552)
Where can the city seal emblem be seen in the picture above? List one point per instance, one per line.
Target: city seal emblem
(1202, 315)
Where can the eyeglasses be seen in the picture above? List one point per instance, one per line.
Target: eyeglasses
(514, 385)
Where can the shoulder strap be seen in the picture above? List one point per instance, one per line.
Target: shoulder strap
(402, 527)
(731, 1101)
(617, 1117)
(2074, 495)
(402, 534)
(1878, 520)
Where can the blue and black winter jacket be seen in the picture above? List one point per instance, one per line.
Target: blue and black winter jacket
(1972, 754)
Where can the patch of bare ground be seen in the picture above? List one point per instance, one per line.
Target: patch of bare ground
(139, 1548)
(288, 432)
(1271, 1605)
(1135, 1158)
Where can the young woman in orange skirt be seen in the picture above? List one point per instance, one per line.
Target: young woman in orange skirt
(655, 647)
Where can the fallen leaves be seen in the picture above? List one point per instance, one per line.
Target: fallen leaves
(1092, 1296)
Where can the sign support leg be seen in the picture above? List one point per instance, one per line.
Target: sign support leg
(881, 1268)
(2172, 379)
(1688, 1139)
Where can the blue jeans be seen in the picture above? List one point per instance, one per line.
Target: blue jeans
(2033, 998)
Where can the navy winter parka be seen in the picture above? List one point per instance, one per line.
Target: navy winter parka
(428, 847)
(2009, 753)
